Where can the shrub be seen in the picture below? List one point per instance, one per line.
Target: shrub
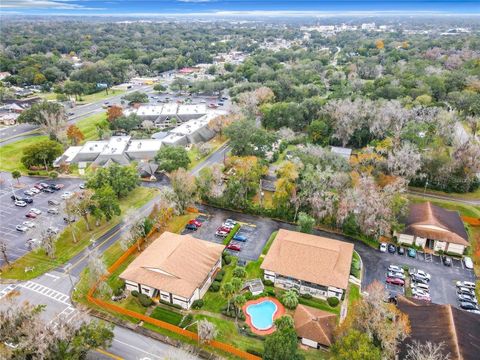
(271, 292)
(221, 272)
(268, 282)
(290, 299)
(248, 296)
(227, 259)
(215, 286)
(239, 272)
(219, 277)
(33, 173)
(118, 291)
(145, 300)
(197, 304)
(176, 306)
(306, 296)
(333, 301)
(255, 352)
(134, 293)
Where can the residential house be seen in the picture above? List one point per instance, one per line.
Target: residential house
(177, 269)
(311, 264)
(314, 327)
(458, 330)
(435, 228)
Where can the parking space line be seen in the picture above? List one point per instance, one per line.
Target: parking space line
(7, 290)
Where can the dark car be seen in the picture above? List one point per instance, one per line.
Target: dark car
(392, 249)
(447, 261)
(400, 250)
(27, 199)
(468, 305)
(56, 187)
(191, 227)
(48, 190)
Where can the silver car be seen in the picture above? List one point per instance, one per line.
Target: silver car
(21, 228)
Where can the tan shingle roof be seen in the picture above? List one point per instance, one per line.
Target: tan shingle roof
(429, 221)
(310, 258)
(175, 263)
(315, 324)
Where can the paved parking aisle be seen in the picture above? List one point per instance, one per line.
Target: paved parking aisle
(11, 215)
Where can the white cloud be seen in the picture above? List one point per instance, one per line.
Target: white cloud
(43, 4)
(196, 1)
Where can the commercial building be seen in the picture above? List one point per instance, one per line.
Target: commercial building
(177, 269)
(434, 228)
(310, 264)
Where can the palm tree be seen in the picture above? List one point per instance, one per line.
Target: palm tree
(227, 292)
(239, 301)
(290, 299)
(237, 284)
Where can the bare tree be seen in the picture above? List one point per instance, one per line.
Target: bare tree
(427, 351)
(206, 331)
(3, 250)
(404, 161)
(96, 270)
(48, 238)
(83, 204)
(183, 184)
(69, 213)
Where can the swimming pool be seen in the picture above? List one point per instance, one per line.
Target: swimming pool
(262, 314)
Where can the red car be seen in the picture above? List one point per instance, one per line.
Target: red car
(31, 215)
(224, 228)
(395, 281)
(195, 222)
(38, 186)
(233, 247)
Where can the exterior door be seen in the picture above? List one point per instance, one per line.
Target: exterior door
(430, 243)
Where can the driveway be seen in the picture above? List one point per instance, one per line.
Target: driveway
(11, 215)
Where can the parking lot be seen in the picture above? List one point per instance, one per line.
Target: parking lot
(443, 278)
(256, 230)
(11, 215)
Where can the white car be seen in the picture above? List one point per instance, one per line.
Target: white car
(397, 275)
(53, 230)
(468, 262)
(383, 247)
(35, 190)
(421, 273)
(420, 292)
(221, 233)
(466, 284)
(36, 211)
(67, 195)
(20, 203)
(29, 192)
(21, 228)
(420, 286)
(396, 268)
(29, 224)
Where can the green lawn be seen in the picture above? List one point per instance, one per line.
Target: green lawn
(166, 315)
(66, 248)
(214, 301)
(253, 269)
(319, 304)
(11, 154)
(194, 154)
(101, 95)
(353, 294)
(88, 125)
(269, 242)
(228, 333)
(463, 209)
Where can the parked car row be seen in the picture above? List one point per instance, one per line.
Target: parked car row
(194, 224)
(225, 228)
(420, 285)
(466, 296)
(392, 249)
(395, 275)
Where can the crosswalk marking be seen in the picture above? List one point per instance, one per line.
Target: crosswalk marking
(8, 289)
(52, 294)
(67, 315)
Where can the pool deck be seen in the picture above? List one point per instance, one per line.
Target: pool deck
(280, 312)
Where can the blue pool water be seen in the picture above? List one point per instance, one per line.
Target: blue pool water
(262, 314)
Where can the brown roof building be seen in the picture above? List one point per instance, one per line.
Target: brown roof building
(436, 228)
(311, 264)
(459, 330)
(175, 268)
(315, 327)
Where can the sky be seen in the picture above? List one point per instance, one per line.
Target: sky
(236, 7)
